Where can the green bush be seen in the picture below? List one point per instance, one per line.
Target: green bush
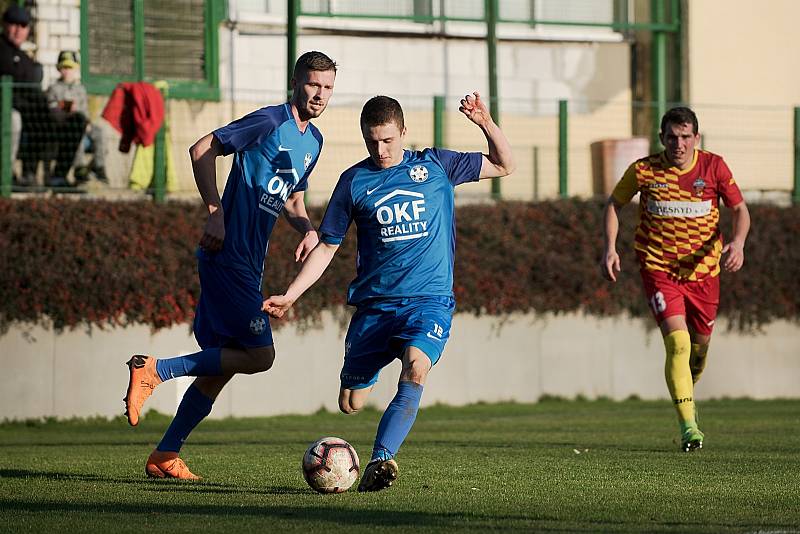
(69, 263)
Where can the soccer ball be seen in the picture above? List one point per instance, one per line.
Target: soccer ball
(330, 465)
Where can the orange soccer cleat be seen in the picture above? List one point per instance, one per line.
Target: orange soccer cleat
(141, 383)
(165, 464)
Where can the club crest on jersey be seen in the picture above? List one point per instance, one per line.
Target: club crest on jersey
(699, 186)
(307, 161)
(418, 173)
(257, 325)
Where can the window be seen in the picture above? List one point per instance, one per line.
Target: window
(148, 40)
(588, 20)
(256, 6)
(577, 11)
(583, 19)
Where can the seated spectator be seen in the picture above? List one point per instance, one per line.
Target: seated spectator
(69, 106)
(31, 124)
(93, 143)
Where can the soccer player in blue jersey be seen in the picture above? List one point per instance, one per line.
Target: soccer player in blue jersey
(275, 149)
(402, 204)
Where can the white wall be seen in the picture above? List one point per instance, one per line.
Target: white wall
(518, 359)
(58, 26)
(413, 66)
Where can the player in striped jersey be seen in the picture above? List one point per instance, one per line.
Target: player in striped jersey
(680, 249)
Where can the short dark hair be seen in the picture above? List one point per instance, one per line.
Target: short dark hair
(382, 110)
(679, 115)
(313, 61)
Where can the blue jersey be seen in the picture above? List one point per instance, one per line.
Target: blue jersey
(273, 159)
(405, 222)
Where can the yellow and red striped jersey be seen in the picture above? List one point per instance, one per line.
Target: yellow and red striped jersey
(678, 229)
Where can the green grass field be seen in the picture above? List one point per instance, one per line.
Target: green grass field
(555, 466)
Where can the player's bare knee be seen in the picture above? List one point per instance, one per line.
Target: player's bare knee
(416, 371)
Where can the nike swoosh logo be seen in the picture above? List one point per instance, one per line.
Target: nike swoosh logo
(432, 336)
(282, 148)
(370, 191)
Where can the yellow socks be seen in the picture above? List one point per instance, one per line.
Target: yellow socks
(697, 360)
(679, 376)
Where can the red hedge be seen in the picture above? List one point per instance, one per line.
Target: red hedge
(99, 263)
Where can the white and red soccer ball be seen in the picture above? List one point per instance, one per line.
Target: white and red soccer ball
(330, 465)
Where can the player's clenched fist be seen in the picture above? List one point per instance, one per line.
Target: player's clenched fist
(213, 232)
(277, 305)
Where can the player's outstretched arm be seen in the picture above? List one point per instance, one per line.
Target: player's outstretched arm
(296, 214)
(735, 248)
(204, 153)
(316, 263)
(610, 265)
(500, 160)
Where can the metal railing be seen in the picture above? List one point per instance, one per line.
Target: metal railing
(551, 140)
(45, 148)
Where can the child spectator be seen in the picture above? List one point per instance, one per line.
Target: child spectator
(69, 105)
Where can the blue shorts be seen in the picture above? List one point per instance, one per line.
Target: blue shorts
(380, 331)
(229, 311)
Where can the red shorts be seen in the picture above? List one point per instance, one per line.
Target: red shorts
(696, 300)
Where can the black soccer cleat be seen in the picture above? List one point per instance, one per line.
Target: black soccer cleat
(378, 475)
(692, 440)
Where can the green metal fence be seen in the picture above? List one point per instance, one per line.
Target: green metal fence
(5, 136)
(127, 43)
(664, 19)
(552, 142)
(48, 147)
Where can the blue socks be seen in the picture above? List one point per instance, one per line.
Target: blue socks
(397, 420)
(193, 408)
(207, 362)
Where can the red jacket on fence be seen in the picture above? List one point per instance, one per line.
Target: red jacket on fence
(136, 110)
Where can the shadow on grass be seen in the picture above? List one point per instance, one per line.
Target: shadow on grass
(328, 513)
(150, 485)
(26, 474)
(355, 511)
(302, 513)
(309, 514)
